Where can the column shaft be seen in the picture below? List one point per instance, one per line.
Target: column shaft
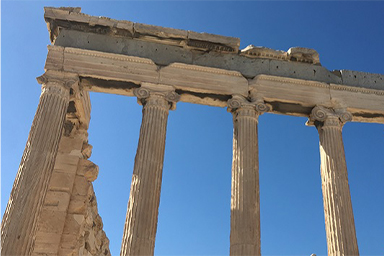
(245, 199)
(339, 221)
(19, 222)
(141, 220)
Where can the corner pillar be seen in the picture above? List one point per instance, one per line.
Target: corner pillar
(339, 221)
(245, 199)
(143, 206)
(20, 219)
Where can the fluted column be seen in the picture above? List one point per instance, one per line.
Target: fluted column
(339, 221)
(141, 220)
(245, 199)
(19, 224)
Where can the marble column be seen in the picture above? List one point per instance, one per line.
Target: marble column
(339, 221)
(245, 199)
(19, 224)
(143, 206)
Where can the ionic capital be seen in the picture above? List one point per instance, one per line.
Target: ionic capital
(150, 92)
(58, 83)
(239, 102)
(329, 117)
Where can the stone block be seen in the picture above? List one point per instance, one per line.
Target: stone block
(73, 224)
(66, 252)
(120, 67)
(84, 166)
(362, 79)
(263, 52)
(47, 242)
(43, 254)
(68, 242)
(68, 144)
(77, 205)
(81, 185)
(66, 163)
(231, 42)
(200, 79)
(86, 150)
(52, 221)
(61, 181)
(160, 31)
(126, 25)
(55, 58)
(57, 201)
(303, 55)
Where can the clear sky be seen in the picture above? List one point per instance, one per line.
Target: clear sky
(194, 214)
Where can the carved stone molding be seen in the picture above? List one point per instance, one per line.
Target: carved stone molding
(157, 93)
(328, 117)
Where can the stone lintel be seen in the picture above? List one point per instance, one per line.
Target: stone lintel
(120, 74)
(297, 97)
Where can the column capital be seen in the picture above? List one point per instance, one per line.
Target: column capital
(328, 117)
(149, 90)
(67, 80)
(240, 102)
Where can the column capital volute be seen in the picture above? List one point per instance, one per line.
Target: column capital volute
(147, 90)
(328, 117)
(65, 79)
(239, 101)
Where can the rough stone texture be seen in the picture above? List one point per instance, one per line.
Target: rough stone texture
(72, 19)
(69, 223)
(302, 54)
(264, 52)
(339, 221)
(141, 220)
(245, 199)
(25, 204)
(83, 233)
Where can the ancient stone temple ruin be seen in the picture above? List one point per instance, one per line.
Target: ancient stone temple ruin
(52, 208)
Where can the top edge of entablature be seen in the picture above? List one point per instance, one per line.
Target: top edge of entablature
(71, 18)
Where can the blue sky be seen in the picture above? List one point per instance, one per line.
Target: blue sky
(194, 214)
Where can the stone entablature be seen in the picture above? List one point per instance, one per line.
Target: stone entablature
(165, 46)
(120, 74)
(293, 82)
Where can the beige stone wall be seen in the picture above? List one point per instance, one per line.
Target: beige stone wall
(69, 222)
